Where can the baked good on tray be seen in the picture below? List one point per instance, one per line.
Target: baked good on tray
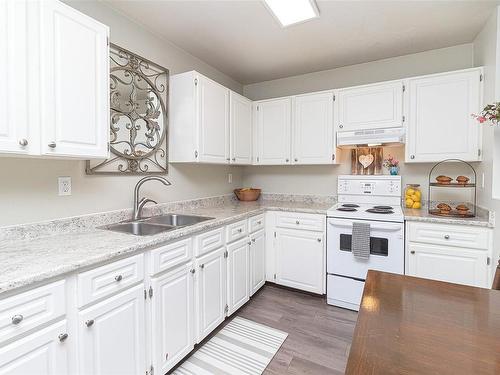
(444, 180)
(462, 209)
(444, 208)
(462, 180)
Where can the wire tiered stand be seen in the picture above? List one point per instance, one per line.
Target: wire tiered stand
(463, 187)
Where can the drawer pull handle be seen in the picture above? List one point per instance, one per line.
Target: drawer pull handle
(412, 252)
(240, 230)
(297, 222)
(89, 323)
(259, 222)
(319, 239)
(16, 319)
(446, 236)
(63, 337)
(52, 144)
(119, 278)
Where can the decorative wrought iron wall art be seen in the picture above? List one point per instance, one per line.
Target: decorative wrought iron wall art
(138, 116)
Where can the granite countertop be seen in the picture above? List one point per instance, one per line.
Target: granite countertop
(484, 218)
(30, 259)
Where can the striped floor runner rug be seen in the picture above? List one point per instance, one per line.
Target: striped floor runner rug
(241, 347)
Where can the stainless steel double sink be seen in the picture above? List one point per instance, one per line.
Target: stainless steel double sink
(156, 224)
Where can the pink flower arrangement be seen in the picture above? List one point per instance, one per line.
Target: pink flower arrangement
(391, 161)
(489, 113)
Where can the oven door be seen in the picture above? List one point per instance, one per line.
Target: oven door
(386, 249)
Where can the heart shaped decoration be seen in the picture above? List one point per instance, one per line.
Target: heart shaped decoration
(366, 160)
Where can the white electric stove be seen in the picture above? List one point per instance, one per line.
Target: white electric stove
(375, 200)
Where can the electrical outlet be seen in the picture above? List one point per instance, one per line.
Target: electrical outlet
(230, 178)
(64, 184)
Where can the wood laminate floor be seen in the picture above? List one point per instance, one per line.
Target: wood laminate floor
(319, 335)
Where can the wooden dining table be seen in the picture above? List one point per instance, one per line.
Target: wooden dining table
(409, 325)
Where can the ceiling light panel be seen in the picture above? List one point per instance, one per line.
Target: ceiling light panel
(290, 12)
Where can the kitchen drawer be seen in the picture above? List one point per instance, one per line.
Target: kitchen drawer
(208, 241)
(111, 278)
(237, 230)
(300, 221)
(256, 223)
(344, 292)
(171, 255)
(23, 312)
(450, 235)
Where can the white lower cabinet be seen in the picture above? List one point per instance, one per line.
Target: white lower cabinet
(238, 269)
(210, 292)
(300, 259)
(112, 335)
(451, 253)
(44, 352)
(172, 317)
(257, 261)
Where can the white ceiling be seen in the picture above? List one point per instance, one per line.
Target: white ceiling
(243, 40)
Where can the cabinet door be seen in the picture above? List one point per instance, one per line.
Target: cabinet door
(300, 260)
(238, 275)
(13, 73)
(41, 353)
(313, 129)
(257, 261)
(240, 129)
(213, 121)
(74, 83)
(273, 127)
(111, 335)
(211, 292)
(440, 125)
(172, 322)
(370, 107)
(455, 265)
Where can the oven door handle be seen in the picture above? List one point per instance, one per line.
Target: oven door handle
(374, 226)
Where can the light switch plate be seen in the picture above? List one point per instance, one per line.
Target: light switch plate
(64, 184)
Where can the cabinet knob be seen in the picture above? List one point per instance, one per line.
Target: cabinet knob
(52, 144)
(234, 159)
(166, 356)
(89, 323)
(240, 230)
(202, 266)
(296, 159)
(253, 240)
(412, 252)
(249, 242)
(192, 270)
(119, 278)
(259, 222)
(287, 160)
(297, 222)
(16, 319)
(63, 337)
(227, 159)
(23, 142)
(412, 157)
(319, 239)
(446, 236)
(341, 126)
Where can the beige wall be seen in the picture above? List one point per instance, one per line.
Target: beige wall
(486, 53)
(28, 187)
(323, 179)
(439, 60)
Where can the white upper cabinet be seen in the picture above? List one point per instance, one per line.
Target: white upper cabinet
(313, 140)
(439, 109)
(240, 129)
(74, 83)
(273, 124)
(63, 54)
(373, 106)
(14, 133)
(199, 122)
(213, 121)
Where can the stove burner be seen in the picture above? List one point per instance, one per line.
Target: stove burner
(379, 211)
(351, 205)
(347, 209)
(382, 207)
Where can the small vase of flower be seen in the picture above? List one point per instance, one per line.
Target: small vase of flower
(490, 113)
(392, 164)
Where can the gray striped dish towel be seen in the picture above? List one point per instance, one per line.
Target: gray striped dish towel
(360, 240)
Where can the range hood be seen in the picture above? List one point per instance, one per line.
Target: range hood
(371, 137)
